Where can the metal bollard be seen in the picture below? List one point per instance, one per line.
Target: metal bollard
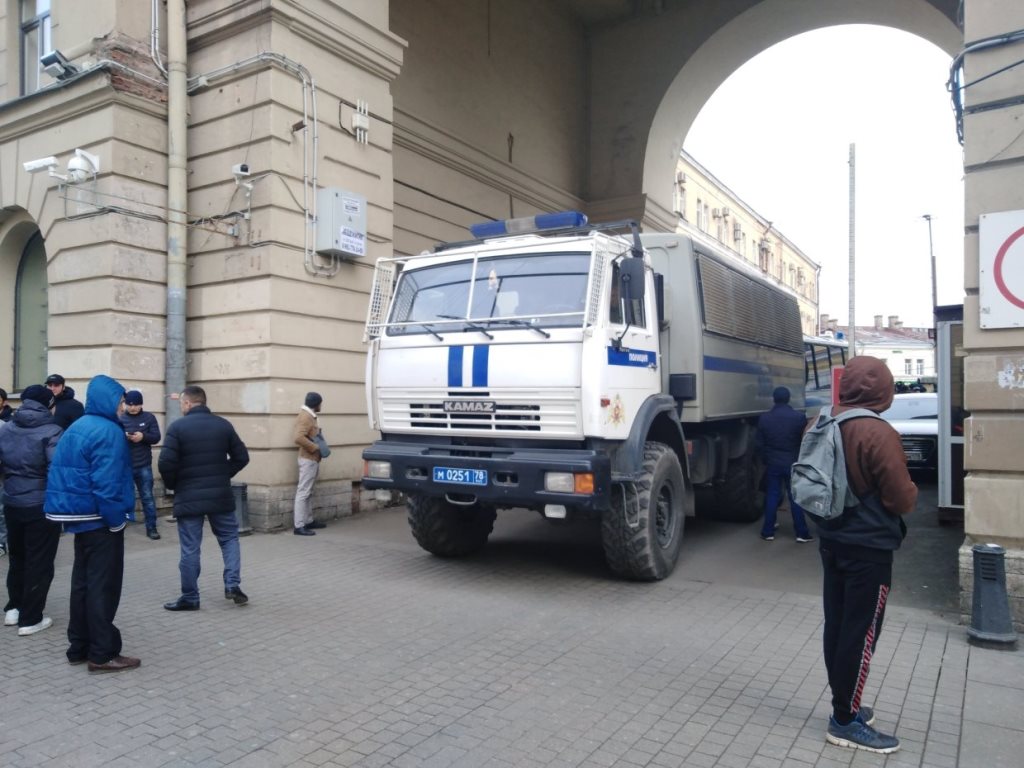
(991, 625)
(241, 493)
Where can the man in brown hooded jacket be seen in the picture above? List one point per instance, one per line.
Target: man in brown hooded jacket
(857, 551)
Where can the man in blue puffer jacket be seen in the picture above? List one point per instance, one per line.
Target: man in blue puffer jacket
(90, 490)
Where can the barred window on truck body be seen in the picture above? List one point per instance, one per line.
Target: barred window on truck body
(738, 306)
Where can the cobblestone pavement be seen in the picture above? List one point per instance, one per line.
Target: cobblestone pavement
(359, 649)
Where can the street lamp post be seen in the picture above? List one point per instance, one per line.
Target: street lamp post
(931, 252)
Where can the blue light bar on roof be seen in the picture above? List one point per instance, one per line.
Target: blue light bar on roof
(527, 224)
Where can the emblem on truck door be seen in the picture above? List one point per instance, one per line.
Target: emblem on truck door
(469, 406)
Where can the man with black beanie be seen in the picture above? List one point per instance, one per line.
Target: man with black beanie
(306, 430)
(142, 432)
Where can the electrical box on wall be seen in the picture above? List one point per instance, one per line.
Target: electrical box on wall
(341, 223)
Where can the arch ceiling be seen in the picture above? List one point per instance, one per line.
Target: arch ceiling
(655, 63)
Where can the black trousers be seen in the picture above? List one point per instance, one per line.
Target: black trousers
(95, 596)
(32, 543)
(854, 596)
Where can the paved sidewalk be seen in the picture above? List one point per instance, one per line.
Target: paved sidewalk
(359, 649)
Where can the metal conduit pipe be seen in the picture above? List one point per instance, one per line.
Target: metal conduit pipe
(177, 199)
(309, 164)
(154, 37)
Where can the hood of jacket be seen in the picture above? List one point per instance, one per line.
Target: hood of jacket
(866, 383)
(32, 414)
(66, 394)
(103, 397)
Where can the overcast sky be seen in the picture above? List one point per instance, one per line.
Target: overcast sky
(778, 134)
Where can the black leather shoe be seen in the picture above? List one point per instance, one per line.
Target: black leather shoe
(315, 526)
(153, 534)
(304, 532)
(116, 664)
(237, 595)
(181, 604)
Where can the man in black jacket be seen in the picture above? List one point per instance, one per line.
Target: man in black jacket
(68, 409)
(778, 440)
(201, 453)
(142, 432)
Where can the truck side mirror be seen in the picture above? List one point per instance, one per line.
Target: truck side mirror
(631, 275)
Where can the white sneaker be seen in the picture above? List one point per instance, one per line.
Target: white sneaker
(46, 623)
(11, 617)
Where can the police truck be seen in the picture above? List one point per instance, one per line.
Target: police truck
(587, 372)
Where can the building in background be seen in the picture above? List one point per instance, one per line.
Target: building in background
(908, 352)
(701, 200)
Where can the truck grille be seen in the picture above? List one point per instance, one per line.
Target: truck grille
(535, 413)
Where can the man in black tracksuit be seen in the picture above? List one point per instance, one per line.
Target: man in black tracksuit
(201, 453)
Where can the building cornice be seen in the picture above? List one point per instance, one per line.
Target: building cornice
(53, 106)
(371, 49)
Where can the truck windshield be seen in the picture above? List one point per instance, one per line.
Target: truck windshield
(545, 290)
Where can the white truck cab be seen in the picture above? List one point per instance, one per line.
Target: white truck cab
(557, 371)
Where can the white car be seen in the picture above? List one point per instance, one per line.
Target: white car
(916, 417)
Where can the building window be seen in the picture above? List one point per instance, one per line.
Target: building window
(35, 41)
(907, 366)
(920, 367)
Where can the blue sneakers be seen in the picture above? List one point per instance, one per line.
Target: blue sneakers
(860, 735)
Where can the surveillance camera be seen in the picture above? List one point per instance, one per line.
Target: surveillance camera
(42, 164)
(240, 169)
(56, 65)
(78, 169)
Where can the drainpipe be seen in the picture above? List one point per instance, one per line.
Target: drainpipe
(177, 200)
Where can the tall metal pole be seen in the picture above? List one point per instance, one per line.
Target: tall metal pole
(931, 252)
(852, 351)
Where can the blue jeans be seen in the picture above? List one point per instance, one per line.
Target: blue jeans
(190, 535)
(143, 477)
(775, 477)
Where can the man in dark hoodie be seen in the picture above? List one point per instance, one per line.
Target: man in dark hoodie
(90, 491)
(27, 446)
(857, 551)
(68, 409)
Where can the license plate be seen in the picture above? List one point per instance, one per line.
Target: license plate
(460, 476)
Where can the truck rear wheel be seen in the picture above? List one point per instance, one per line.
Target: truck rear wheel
(647, 549)
(737, 499)
(449, 530)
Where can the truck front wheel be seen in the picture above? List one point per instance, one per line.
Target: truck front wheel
(449, 530)
(642, 532)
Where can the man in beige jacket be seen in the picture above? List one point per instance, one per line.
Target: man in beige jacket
(306, 429)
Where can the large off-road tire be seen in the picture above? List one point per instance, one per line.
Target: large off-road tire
(449, 530)
(737, 499)
(649, 551)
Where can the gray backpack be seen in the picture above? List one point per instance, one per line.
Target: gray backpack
(818, 479)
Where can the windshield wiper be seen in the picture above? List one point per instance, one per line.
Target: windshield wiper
(470, 325)
(430, 329)
(520, 324)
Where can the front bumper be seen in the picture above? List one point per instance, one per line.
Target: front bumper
(515, 476)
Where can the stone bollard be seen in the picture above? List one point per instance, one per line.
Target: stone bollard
(991, 625)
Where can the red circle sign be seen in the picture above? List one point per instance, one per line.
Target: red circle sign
(997, 269)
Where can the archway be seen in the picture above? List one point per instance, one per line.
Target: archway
(748, 34)
(24, 301)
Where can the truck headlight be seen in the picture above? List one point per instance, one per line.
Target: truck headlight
(378, 470)
(558, 482)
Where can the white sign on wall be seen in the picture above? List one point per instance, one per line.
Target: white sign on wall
(1001, 266)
